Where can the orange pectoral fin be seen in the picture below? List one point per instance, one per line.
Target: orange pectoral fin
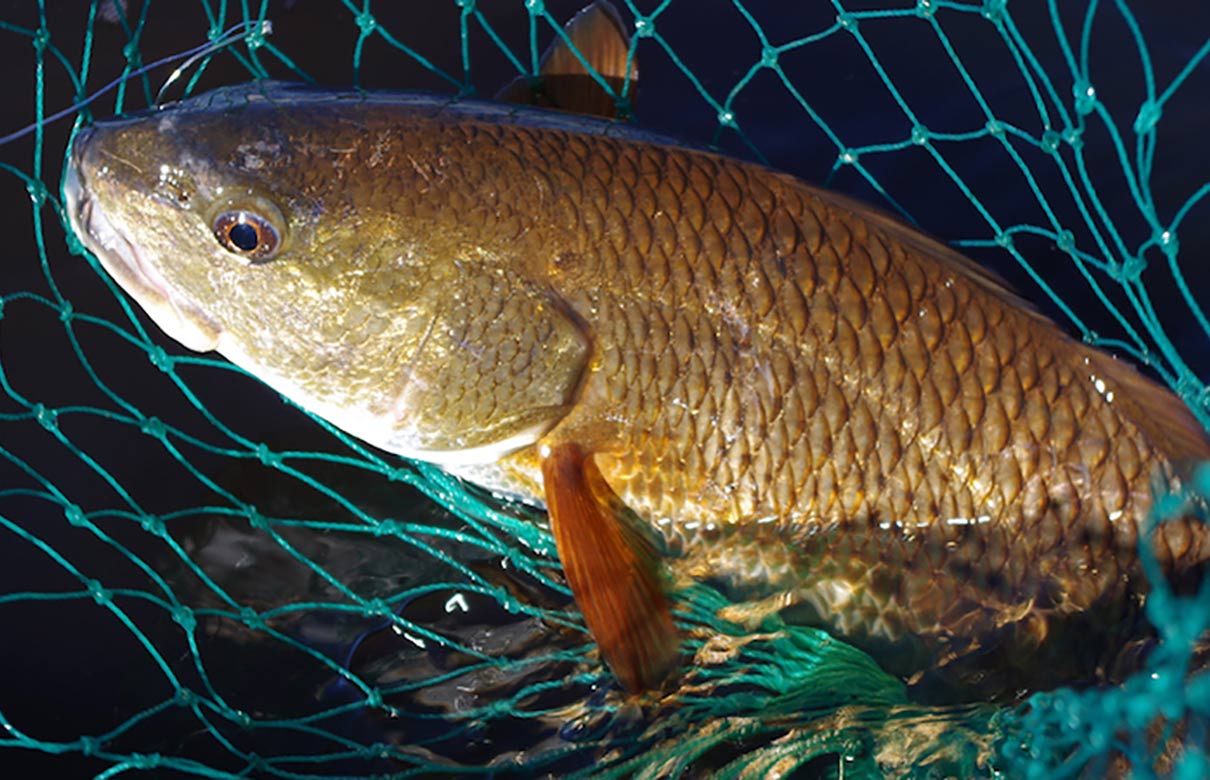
(611, 570)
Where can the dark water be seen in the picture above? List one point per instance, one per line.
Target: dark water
(69, 668)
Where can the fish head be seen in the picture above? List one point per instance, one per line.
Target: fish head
(252, 226)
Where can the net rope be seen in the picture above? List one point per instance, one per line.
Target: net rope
(252, 593)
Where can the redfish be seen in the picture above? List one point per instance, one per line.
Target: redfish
(702, 368)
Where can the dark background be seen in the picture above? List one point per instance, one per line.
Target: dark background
(69, 668)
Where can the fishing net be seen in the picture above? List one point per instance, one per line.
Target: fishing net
(199, 580)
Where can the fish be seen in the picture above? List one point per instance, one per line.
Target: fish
(704, 369)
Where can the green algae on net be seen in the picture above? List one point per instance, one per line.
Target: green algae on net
(238, 458)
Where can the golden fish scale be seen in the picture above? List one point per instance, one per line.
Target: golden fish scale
(800, 401)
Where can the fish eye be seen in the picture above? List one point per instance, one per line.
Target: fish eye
(247, 234)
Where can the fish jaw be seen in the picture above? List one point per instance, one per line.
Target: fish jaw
(120, 257)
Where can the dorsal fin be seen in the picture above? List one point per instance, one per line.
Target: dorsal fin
(599, 35)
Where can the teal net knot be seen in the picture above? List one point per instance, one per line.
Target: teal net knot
(48, 418)
(75, 516)
(153, 525)
(387, 528)
(377, 750)
(366, 23)
(184, 617)
(255, 518)
(154, 427)
(74, 245)
(1086, 97)
(993, 10)
(256, 36)
(40, 39)
(1168, 243)
(1149, 114)
(145, 761)
(251, 618)
(37, 193)
(268, 457)
(161, 359)
(1129, 270)
(1187, 386)
(99, 593)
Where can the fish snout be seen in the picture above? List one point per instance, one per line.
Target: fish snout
(76, 200)
(98, 203)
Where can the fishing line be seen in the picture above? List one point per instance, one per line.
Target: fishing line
(266, 28)
(232, 35)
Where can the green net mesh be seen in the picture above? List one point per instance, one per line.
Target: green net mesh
(198, 580)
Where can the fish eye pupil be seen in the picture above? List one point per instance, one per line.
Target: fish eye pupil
(244, 236)
(247, 234)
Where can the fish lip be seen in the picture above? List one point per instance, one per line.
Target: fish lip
(123, 261)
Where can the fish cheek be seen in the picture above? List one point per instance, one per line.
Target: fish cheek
(499, 365)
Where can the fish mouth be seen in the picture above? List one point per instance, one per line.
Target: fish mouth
(123, 261)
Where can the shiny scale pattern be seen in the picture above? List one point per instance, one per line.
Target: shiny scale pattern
(933, 457)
